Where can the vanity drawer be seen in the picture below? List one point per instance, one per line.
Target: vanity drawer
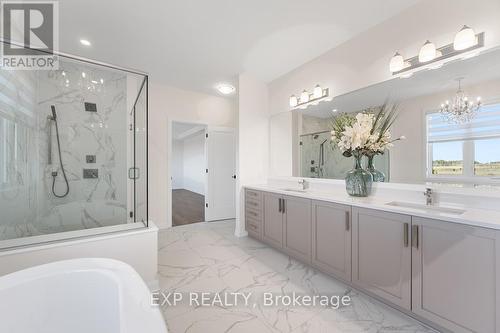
(253, 227)
(253, 203)
(253, 224)
(253, 214)
(254, 195)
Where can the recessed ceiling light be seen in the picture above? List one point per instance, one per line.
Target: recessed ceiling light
(225, 88)
(85, 42)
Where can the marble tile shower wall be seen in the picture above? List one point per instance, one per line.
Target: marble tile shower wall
(90, 202)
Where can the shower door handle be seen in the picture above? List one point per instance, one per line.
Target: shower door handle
(133, 173)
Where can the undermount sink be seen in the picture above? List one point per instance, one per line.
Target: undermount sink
(299, 190)
(437, 209)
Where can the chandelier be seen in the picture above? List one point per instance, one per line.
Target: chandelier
(460, 110)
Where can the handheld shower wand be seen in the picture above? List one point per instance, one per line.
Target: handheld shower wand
(54, 173)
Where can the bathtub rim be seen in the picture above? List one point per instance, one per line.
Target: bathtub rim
(22, 244)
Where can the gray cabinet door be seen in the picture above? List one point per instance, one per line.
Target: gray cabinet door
(297, 231)
(331, 238)
(272, 231)
(454, 270)
(381, 262)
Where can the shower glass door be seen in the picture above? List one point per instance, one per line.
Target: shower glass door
(69, 139)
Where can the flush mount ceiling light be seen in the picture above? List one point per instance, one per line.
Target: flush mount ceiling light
(460, 110)
(464, 39)
(225, 88)
(465, 43)
(305, 97)
(85, 42)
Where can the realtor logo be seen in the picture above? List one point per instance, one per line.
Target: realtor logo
(30, 34)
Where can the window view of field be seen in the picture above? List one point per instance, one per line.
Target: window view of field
(447, 158)
(442, 167)
(487, 159)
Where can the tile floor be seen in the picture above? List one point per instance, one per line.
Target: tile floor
(207, 257)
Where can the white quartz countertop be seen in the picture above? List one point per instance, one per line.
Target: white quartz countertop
(471, 216)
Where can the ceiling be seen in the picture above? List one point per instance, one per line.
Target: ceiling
(482, 68)
(195, 44)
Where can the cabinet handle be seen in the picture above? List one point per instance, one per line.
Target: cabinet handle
(283, 206)
(405, 234)
(414, 236)
(347, 221)
(279, 205)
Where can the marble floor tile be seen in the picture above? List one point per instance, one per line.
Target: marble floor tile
(207, 257)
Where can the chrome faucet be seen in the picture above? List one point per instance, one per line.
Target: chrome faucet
(428, 196)
(304, 184)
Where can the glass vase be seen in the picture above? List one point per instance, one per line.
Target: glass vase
(358, 182)
(378, 176)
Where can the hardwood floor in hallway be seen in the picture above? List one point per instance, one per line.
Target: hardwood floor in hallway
(187, 207)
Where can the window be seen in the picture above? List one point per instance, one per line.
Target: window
(447, 158)
(469, 152)
(487, 158)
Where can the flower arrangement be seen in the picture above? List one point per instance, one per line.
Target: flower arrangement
(366, 133)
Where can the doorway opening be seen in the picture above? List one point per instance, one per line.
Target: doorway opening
(188, 173)
(203, 179)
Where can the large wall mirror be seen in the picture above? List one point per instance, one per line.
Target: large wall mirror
(439, 147)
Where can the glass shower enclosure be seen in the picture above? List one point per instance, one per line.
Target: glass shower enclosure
(321, 159)
(73, 151)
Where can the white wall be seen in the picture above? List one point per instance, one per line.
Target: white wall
(177, 164)
(364, 60)
(171, 104)
(194, 163)
(253, 140)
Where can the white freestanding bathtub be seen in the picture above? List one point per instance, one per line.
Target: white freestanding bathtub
(79, 296)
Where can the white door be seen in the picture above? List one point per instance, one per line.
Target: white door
(221, 181)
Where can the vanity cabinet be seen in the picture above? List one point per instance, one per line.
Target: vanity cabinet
(331, 239)
(454, 270)
(442, 272)
(254, 213)
(287, 224)
(272, 228)
(381, 254)
(297, 227)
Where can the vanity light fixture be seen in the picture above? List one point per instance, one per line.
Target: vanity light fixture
(428, 52)
(318, 91)
(464, 39)
(306, 97)
(398, 63)
(465, 42)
